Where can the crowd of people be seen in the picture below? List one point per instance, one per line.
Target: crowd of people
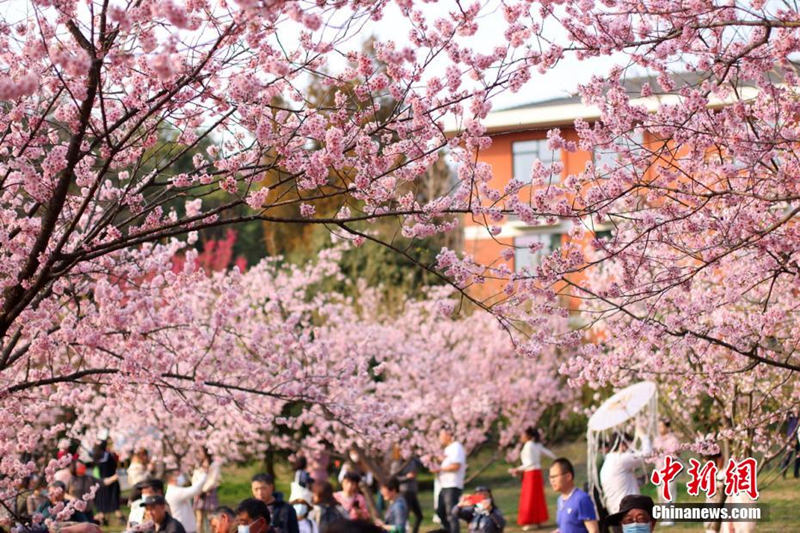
(164, 500)
(89, 489)
(313, 505)
(96, 473)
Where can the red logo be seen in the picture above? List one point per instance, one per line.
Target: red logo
(741, 477)
(702, 478)
(664, 475)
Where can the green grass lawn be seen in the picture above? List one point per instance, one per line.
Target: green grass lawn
(782, 496)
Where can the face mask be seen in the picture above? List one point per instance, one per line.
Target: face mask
(301, 509)
(635, 528)
(245, 529)
(181, 481)
(354, 457)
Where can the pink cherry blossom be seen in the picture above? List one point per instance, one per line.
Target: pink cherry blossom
(695, 288)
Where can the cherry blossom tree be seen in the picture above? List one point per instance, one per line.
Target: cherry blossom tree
(161, 343)
(92, 209)
(696, 286)
(245, 344)
(351, 373)
(700, 273)
(432, 368)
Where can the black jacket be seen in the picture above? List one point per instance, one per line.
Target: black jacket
(170, 525)
(482, 523)
(282, 515)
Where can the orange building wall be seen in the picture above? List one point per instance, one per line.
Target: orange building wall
(499, 156)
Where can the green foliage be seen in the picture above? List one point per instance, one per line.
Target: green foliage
(562, 425)
(378, 265)
(398, 274)
(176, 158)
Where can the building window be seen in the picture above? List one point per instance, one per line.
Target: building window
(604, 239)
(525, 258)
(606, 158)
(526, 152)
(603, 235)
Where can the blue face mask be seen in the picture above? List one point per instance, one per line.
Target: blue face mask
(300, 509)
(635, 528)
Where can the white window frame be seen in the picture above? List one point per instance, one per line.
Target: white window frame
(535, 149)
(523, 257)
(606, 159)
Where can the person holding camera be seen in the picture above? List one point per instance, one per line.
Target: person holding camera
(351, 499)
(480, 511)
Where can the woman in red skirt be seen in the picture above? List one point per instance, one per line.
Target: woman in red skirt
(532, 505)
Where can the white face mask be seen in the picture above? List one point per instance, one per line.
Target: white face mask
(181, 481)
(300, 509)
(245, 529)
